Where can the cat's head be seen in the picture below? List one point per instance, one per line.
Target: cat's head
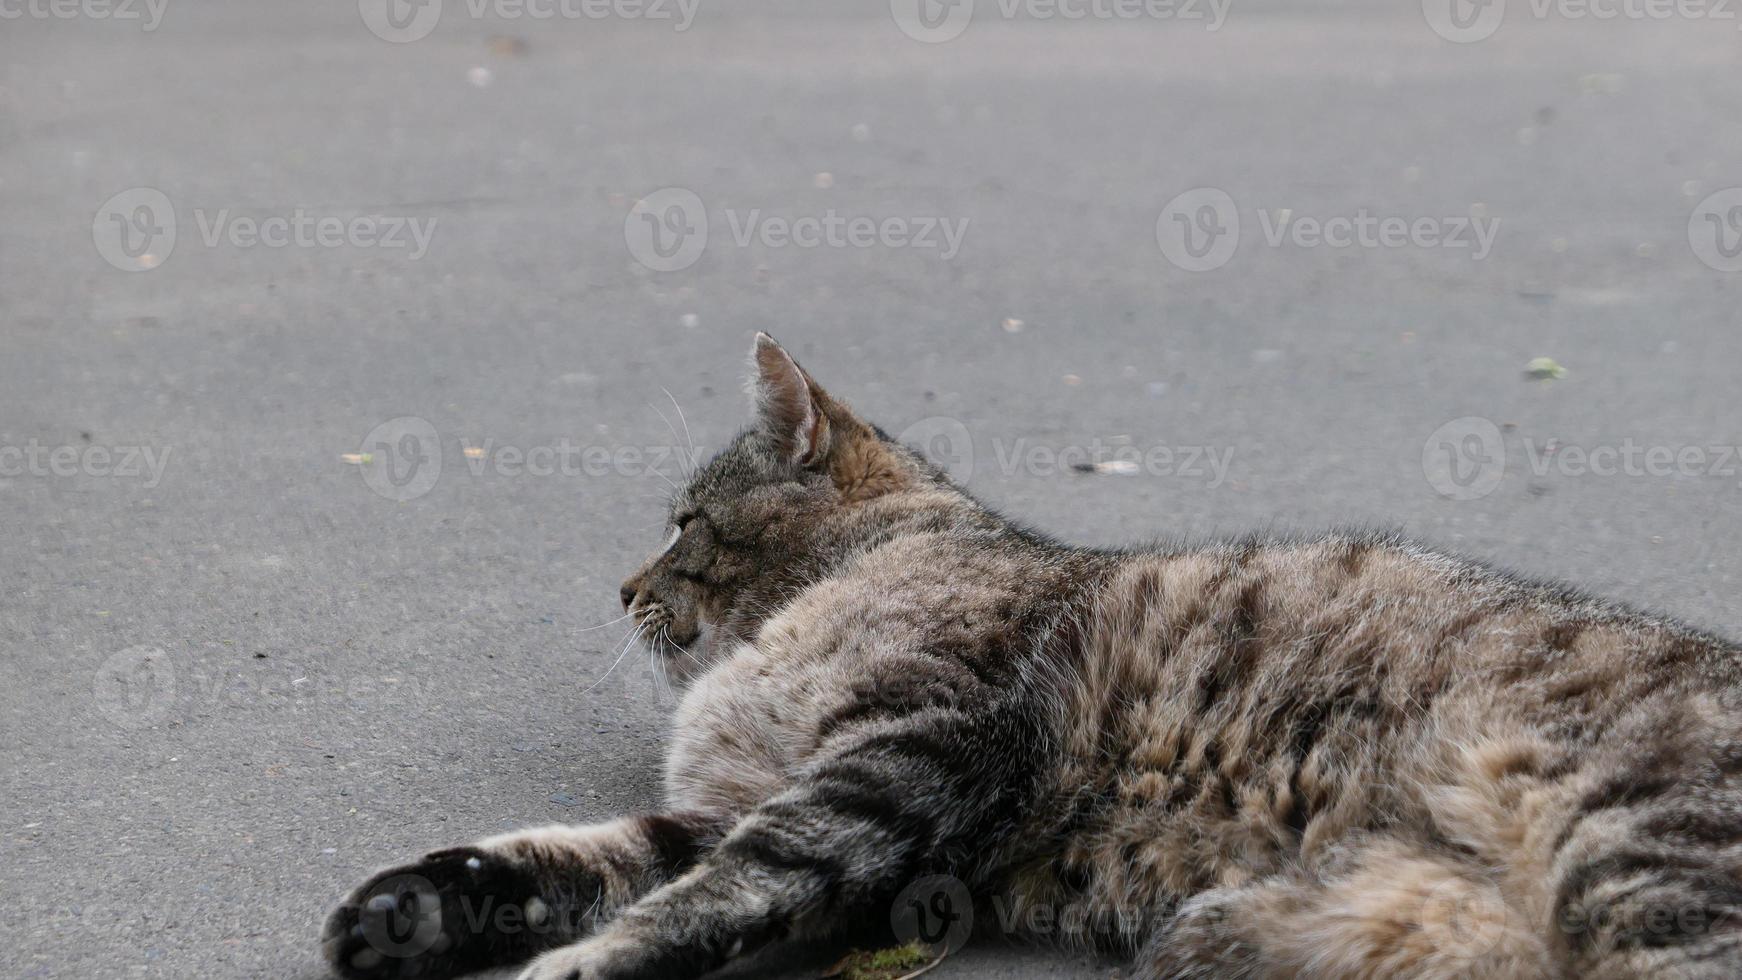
(766, 514)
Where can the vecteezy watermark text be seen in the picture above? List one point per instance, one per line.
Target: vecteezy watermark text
(1200, 230)
(403, 21)
(1469, 21)
(301, 229)
(149, 13)
(834, 230)
(1467, 459)
(937, 21)
(948, 444)
(668, 230)
(403, 458)
(137, 229)
(36, 459)
(146, 686)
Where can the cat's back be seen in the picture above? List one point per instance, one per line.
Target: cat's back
(1259, 647)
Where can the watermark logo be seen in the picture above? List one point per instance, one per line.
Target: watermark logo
(1464, 21)
(1465, 459)
(936, 912)
(932, 21)
(135, 688)
(134, 231)
(949, 445)
(937, 21)
(944, 441)
(402, 459)
(1469, 21)
(404, 456)
(402, 916)
(120, 462)
(148, 12)
(1468, 919)
(145, 687)
(301, 229)
(668, 229)
(1199, 230)
(404, 21)
(1715, 230)
(400, 21)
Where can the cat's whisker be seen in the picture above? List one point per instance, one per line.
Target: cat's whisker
(668, 481)
(694, 456)
(683, 470)
(659, 673)
(614, 622)
(630, 642)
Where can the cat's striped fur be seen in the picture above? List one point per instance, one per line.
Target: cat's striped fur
(1342, 757)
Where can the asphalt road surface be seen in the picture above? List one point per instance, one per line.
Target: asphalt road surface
(334, 349)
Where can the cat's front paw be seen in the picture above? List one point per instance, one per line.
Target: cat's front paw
(572, 963)
(453, 912)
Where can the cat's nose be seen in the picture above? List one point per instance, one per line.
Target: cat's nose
(627, 594)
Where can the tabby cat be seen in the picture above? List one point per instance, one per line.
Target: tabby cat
(1340, 757)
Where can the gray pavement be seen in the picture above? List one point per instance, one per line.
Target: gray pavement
(252, 651)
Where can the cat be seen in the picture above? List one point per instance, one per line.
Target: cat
(1343, 756)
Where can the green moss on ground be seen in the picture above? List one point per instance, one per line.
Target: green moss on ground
(883, 964)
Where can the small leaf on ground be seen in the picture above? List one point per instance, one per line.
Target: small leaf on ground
(1544, 369)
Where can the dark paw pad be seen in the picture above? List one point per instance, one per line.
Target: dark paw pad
(454, 912)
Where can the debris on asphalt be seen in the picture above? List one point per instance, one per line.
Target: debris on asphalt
(1606, 83)
(506, 46)
(358, 459)
(1544, 369)
(900, 963)
(1012, 325)
(1120, 467)
(565, 799)
(480, 76)
(823, 181)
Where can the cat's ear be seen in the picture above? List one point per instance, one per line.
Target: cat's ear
(789, 405)
(813, 430)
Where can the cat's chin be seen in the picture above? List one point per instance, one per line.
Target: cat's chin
(688, 659)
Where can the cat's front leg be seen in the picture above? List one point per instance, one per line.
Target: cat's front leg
(508, 898)
(891, 801)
